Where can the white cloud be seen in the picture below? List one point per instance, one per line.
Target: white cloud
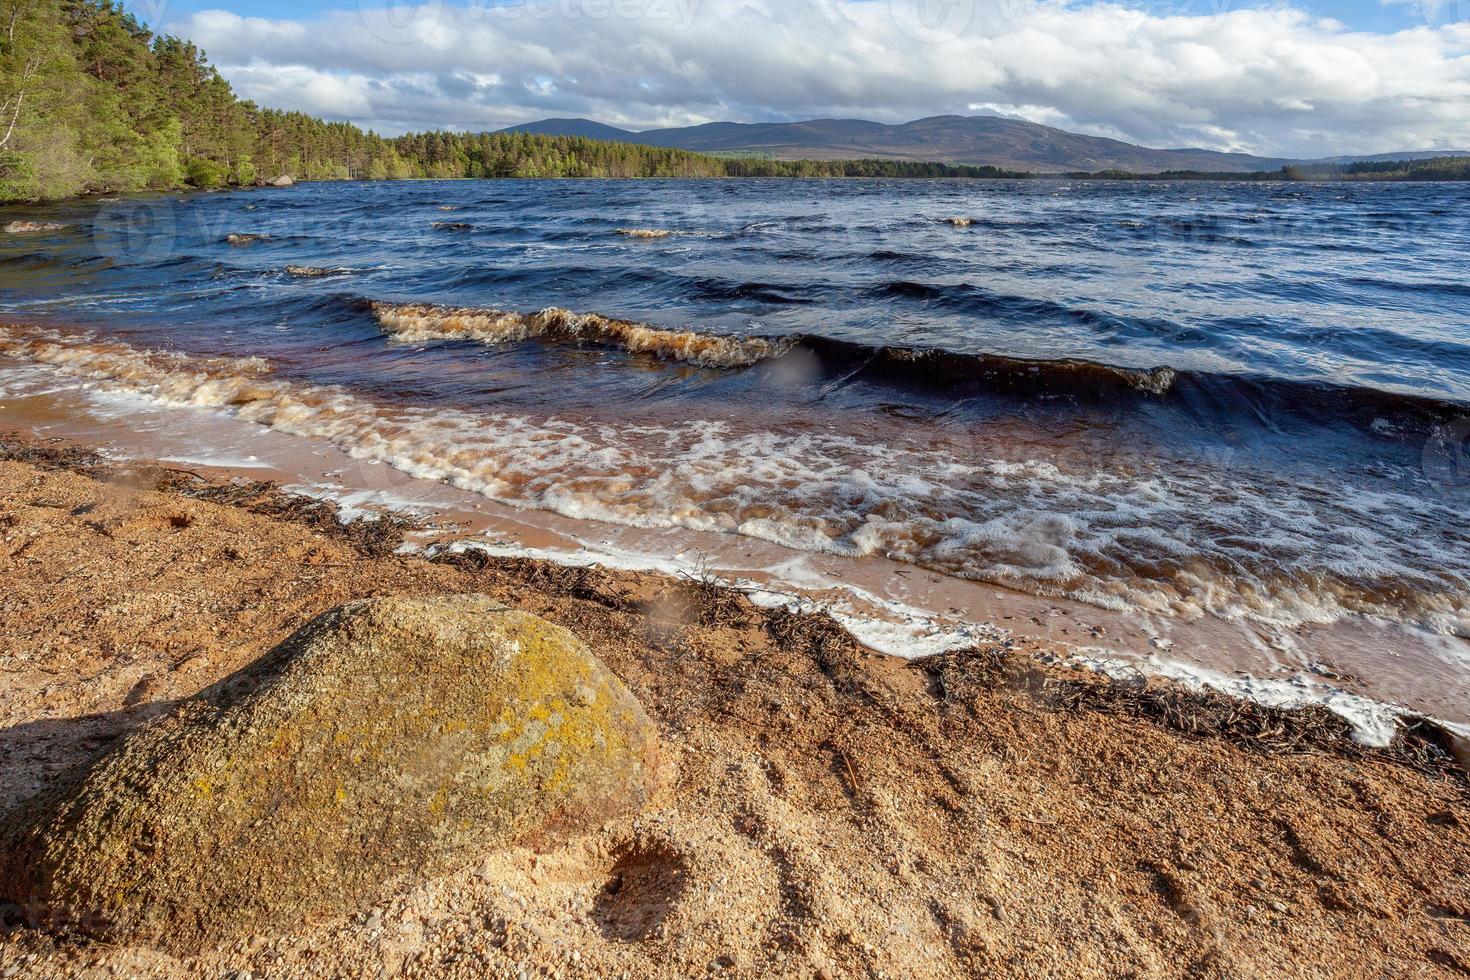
(1271, 80)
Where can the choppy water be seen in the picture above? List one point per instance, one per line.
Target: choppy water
(1247, 400)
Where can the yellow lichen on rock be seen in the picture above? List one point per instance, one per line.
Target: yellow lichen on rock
(390, 736)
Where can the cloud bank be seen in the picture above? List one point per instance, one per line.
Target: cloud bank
(1275, 80)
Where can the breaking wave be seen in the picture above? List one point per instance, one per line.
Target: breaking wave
(423, 323)
(1165, 536)
(1207, 395)
(418, 323)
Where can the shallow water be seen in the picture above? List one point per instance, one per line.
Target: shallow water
(1233, 400)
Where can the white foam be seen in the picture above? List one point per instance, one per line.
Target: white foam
(360, 505)
(1374, 723)
(881, 624)
(220, 460)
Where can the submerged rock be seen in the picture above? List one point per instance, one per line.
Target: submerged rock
(31, 227)
(236, 238)
(313, 272)
(391, 737)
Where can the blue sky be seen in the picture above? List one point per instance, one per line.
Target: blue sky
(1304, 79)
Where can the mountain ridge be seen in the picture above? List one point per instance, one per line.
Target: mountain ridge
(983, 140)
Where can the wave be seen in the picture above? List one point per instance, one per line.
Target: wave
(1174, 537)
(772, 294)
(423, 323)
(1212, 396)
(936, 366)
(1457, 289)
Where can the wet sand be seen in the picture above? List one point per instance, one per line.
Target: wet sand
(830, 811)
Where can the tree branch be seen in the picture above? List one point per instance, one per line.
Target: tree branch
(33, 66)
(14, 117)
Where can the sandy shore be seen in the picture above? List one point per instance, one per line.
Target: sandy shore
(830, 812)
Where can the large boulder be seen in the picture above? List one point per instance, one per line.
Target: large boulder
(284, 180)
(389, 738)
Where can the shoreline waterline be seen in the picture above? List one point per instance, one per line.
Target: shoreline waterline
(891, 606)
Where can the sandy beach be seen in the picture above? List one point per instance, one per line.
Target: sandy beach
(826, 811)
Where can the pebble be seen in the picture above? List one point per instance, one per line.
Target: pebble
(1278, 906)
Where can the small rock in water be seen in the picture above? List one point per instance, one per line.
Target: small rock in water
(31, 227)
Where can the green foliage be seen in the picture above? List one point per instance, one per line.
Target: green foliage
(91, 101)
(18, 178)
(206, 174)
(158, 159)
(1439, 168)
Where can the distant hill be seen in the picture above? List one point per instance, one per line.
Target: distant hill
(997, 141)
(1013, 144)
(576, 127)
(1392, 157)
